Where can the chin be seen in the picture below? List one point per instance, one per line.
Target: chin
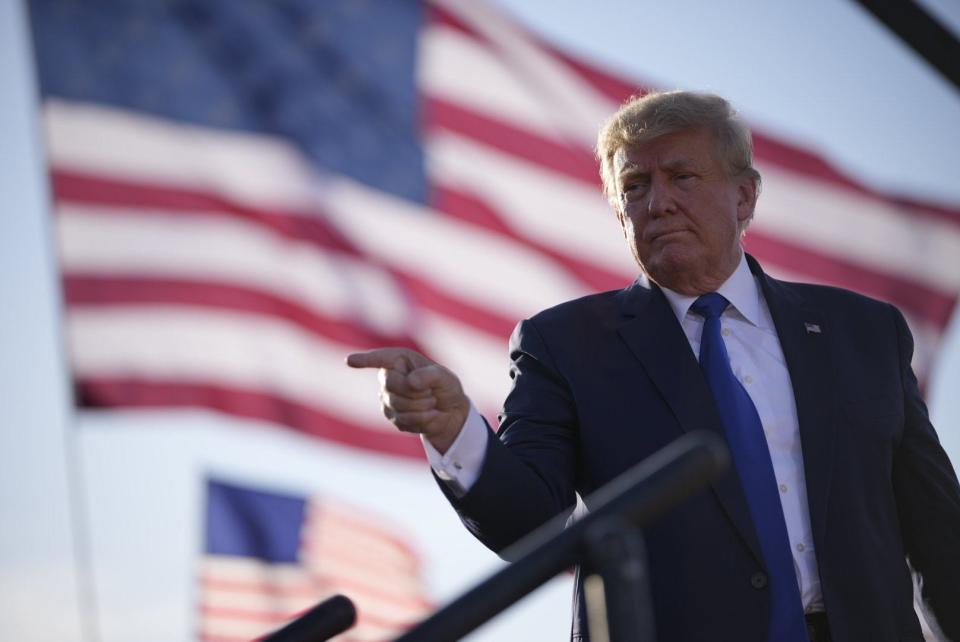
(673, 269)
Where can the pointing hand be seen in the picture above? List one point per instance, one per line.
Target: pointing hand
(417, 394)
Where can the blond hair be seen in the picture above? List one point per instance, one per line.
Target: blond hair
(642, 118)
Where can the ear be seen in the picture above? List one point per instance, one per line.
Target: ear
(746, 200)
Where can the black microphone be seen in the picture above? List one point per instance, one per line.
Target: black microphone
(327, 619)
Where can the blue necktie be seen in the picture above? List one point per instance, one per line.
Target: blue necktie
(751, 458)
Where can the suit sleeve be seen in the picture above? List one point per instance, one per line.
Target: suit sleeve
(928, 499)
(528, 473)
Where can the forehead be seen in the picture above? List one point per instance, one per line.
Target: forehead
(687, 147)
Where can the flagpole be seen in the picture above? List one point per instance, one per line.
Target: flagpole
(45, 547)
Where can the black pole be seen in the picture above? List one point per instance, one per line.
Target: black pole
(325, 620)
(921, 32)
(638, 496)
(617, 588)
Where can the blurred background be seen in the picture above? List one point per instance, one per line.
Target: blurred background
(208, 204)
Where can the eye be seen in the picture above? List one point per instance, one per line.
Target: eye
(633, 188)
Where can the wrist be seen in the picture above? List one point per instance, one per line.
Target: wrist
(444, 438)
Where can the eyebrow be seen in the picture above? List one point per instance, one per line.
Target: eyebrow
(671, 165)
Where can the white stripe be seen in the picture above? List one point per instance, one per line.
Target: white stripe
(567, 98)
(252, 168)
(479, 266)
(212, 346)
(260, 602)
(562, 212)
(140, 242)
(875, 234)
(231, 567)
(459, 69)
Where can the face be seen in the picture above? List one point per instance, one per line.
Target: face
(681, 213)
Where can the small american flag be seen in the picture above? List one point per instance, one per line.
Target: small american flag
(248, 191)
(270, 556)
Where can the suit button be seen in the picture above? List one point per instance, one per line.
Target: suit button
(758, 580)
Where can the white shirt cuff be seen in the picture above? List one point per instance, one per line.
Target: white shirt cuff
(460, 466)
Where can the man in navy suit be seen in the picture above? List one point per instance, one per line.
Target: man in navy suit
(811, 386)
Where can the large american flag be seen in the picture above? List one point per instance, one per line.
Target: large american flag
(247, 191)
(270, 556)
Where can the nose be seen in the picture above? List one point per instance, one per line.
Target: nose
(660, 201)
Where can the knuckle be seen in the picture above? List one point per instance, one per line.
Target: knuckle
(408, 423)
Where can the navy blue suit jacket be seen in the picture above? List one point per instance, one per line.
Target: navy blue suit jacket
(602, 382)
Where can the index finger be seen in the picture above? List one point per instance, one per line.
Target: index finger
(380, 358)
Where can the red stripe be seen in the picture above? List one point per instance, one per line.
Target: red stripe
(474, 210)
(304, 227)
(76, 187)
(319, 516)
(265, 586)
(94, 290)
(442, 302)
(96, 392)
(437, 15)
(616, 88)
(85, 289)
(574, 162)
(916, 299)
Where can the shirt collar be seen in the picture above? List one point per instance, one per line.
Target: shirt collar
(740, 289)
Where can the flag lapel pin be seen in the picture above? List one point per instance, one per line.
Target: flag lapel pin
(812, 328)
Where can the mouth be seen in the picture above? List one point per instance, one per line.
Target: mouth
(667, 234)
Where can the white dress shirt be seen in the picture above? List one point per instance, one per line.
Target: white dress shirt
(758, 362)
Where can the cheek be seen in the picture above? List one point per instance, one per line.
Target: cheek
(631, 224)
(633, 233)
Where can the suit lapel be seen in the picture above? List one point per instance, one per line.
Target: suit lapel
(803, 337)
(653, 334)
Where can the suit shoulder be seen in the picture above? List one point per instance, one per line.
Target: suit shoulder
(590, 307)
(831, 297)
